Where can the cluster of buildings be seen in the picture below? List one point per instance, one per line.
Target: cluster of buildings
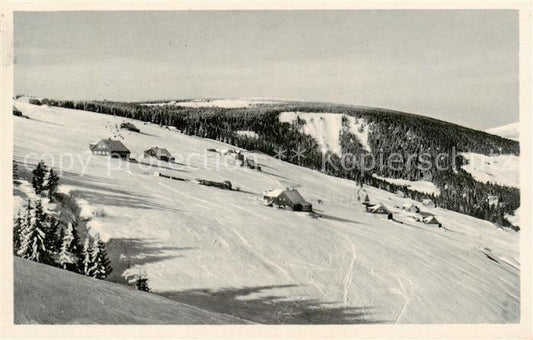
(410, 208)
(116, 149)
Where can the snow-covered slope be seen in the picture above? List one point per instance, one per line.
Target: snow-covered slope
(498, 169)
(514, 219)
(509, 131)
(325, 128)
(420, 186)
(227, 252)
(48, 295)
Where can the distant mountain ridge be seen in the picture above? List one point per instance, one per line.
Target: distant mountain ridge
(509, 131)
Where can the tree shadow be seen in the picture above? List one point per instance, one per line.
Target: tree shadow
(129, 201)
(148, 134)
(160, 166)
(273, 174)
(271, 309)
(125, 253)
(99, 192)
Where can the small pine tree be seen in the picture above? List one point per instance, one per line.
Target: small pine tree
(69, 253)
(51, 186)
(18, 228)
(38, 177)
(52, 239)
(142, 283)
(27, 220)
(88, 261)
(367, 199)
(102, 266)
(78, 249)
(60, 237)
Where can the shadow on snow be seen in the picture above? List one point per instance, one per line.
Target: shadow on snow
(125, 253)
(269, 309)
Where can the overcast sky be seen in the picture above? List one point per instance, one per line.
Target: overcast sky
(459, 66)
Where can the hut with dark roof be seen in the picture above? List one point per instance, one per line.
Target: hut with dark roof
(289, 198)
(112, 148)
(160, 153)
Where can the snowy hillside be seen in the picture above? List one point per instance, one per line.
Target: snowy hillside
(45, 295)
(225, 251)
(326, 128)
(498, 169)
(509, 131)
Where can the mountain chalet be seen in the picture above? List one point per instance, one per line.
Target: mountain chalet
(289, 198)
(110, 147)
(160, 153)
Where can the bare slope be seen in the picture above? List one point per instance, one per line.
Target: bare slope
(48, 295)
(225, 251)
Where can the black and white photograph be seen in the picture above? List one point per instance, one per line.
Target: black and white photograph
(267, 166)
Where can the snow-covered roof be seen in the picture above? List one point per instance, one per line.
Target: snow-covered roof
(428, 202)
(378, 207)
(273, 193)
(292, 194)
(430, 220)
(295, 196)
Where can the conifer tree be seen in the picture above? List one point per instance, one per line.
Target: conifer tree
(18, 227)
(52, 240)
(27, 220)
(69, 253)
(102, 266)
(52, 184)
(60, 237)
(38, 177)
(87, 253)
